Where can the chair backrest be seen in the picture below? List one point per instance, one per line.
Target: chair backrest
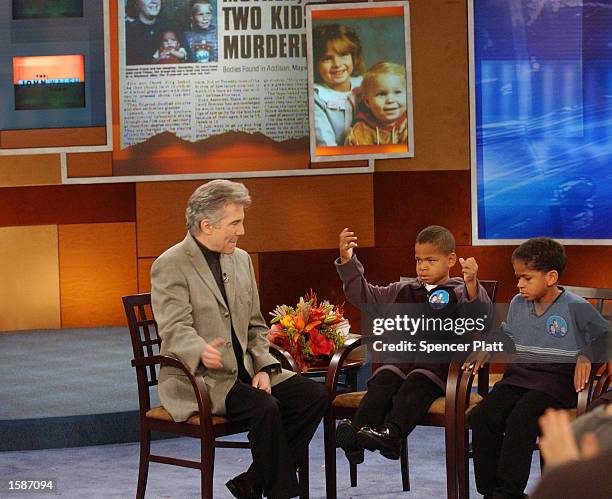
(597, 296)
(145, 341)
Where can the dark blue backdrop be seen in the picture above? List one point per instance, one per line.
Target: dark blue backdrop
(543, 82)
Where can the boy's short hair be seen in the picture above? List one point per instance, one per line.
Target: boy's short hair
(343, 39)
(439, 236)
(381, 68)
(541, 253)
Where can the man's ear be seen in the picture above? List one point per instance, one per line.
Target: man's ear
(206, 227)
(452, 259)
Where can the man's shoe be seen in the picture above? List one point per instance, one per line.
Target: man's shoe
(346, 438)
(382, 439)
(241, 488)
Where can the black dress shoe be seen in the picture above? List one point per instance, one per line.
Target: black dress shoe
(241, 488)
(383, 439)
(346, 438)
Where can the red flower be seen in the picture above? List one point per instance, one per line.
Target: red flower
(320, 344)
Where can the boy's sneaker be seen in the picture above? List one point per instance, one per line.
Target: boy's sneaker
(346, 438)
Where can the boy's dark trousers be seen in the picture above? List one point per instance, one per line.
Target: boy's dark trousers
(391, 399)
(504, 432)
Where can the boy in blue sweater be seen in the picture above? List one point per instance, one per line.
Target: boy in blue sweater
(554, 332)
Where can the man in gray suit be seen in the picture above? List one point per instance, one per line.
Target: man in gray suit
(206, 304)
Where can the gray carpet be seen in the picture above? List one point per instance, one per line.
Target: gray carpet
(66, 388)
(66, 372)
(110, 471)
(77, 387)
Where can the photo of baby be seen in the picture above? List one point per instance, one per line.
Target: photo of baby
(359, 81)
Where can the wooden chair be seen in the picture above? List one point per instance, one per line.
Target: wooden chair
(440, 414)
(599, 382)
(204, 426)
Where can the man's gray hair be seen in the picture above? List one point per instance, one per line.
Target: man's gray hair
(208, 201)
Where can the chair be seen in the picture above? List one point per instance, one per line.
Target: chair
(598, 383)
(440, 414)
(204, 425)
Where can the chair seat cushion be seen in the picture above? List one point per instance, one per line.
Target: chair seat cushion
(163, 415)
(351, 401)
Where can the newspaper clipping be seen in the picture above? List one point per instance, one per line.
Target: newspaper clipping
(199, 73)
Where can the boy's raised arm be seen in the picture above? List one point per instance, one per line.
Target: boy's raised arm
(347, 241)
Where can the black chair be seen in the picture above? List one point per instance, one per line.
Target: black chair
(204, 426)
(441, 414)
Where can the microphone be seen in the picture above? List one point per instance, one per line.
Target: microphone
(225, 277)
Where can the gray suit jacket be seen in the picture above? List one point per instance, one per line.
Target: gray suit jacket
(190, 311)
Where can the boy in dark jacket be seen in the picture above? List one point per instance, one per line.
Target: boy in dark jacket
(399, 396)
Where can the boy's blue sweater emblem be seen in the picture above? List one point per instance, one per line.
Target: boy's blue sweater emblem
(556, 326)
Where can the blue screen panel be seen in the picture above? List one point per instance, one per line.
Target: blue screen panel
(543, 108)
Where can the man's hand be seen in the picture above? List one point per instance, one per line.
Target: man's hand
(582, 372)
(211, 356)
(348, 241)
(261, 381)
(558, 444)
(469, 268)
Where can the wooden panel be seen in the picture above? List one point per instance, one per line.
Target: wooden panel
(440, 88)
(66, 204)
(285, 276)
(144, 274)
(52, 137)
(408, 202)
(90, 164)
(288, 213)
(29, 293)
(97, 267)
(41, 169)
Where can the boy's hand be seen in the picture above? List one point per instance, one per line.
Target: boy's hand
(348, 241)
(475, 361)
(469, 267)
(582, 372)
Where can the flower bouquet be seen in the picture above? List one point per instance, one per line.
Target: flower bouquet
(311, 332)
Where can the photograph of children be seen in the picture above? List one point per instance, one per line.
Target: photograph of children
(170, 31)
(359, 78)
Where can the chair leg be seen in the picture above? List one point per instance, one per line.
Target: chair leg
(451, 446)
(303, 478)
(329, 442)
(404, 466)
(207, 456)
(353, 473)
(143, 468)
(463, 465)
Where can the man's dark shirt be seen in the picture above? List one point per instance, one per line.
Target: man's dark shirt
(213, 259)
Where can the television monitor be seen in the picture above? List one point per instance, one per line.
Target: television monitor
(542, 121)
(49, 82)
(41, 9)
